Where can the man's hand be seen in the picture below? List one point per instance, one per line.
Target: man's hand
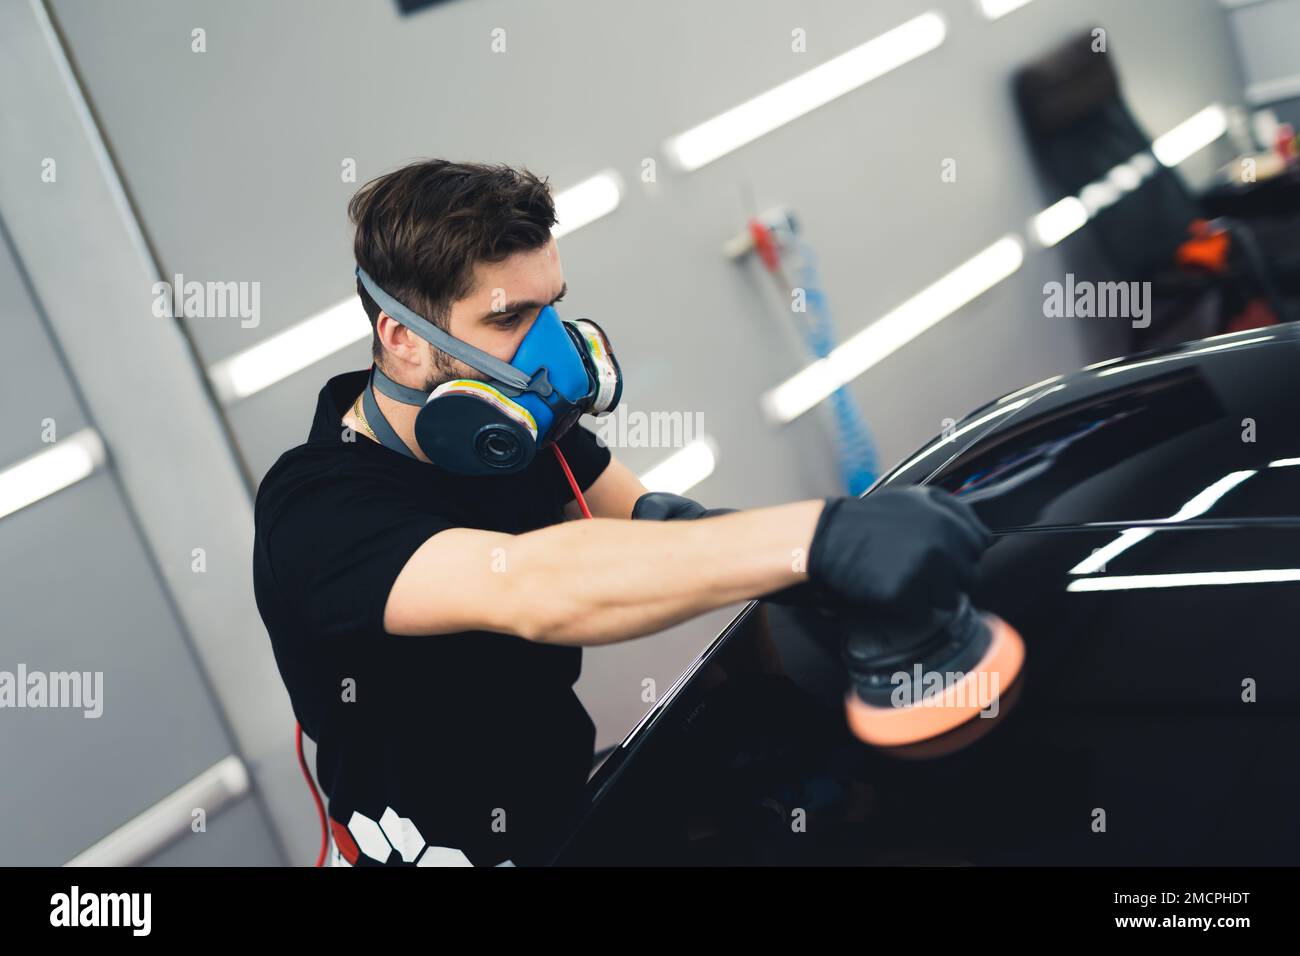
(898, 549)
(665, 506)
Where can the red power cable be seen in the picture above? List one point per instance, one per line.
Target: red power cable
(320, 807)
(577, 492)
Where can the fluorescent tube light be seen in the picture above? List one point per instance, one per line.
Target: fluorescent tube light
(1059, 220)
(66, 462)
(993, 9)
(284, 353)
(586, 202)
(1191, 135)
(802, 94)
(684, 469)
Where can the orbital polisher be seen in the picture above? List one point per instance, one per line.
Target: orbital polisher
(915, 678)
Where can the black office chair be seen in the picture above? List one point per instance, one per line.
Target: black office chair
(1079, 129)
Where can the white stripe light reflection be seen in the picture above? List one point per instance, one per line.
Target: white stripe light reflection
(1115, 370)
(1193, 579)
(1029, 388)
(971, 426)
(1194, 508)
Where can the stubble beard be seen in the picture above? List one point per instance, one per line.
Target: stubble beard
(446, 368)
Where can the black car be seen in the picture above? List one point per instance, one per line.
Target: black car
(1147, 521)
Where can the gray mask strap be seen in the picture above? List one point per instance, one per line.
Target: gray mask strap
(396, 390)
(375, 417)
(471, 356)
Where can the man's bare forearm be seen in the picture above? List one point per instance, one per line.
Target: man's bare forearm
(599, 581)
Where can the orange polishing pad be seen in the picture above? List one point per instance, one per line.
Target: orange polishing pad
(941, 702)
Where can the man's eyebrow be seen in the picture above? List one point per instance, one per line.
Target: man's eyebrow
(523, 305)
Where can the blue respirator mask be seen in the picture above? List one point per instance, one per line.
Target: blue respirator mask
(560, 371)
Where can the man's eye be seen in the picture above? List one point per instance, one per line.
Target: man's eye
(509, 321)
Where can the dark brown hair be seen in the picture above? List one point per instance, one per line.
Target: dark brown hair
(422, 228)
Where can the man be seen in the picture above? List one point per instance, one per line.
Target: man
(428, 622)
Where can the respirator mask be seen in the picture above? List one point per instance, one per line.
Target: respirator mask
(560, 371)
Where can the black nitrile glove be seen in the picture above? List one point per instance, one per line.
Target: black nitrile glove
(897, 551)
(665, 506)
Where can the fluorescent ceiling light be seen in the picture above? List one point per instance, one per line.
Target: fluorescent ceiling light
(284, 353)
(782, 104)
(684, 469)
(1125, 177)
(1191, 135)
(586, 202)
(64, 463)
(1284, 463)
(1197, 506)
(1059, 220)
(1097, 196)
(993, 9)
(893, 330)
(1194, 579)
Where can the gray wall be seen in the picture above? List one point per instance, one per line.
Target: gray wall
(232, 161)
(1266, 31)
(81, 593)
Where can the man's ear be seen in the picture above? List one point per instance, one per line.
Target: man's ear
(400, 344)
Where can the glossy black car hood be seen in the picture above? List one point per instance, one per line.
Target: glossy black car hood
(1157, 719)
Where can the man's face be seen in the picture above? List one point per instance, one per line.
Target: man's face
(505, 302)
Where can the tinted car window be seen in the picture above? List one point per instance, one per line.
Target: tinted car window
(1137, 440)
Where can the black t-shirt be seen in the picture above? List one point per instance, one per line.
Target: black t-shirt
(471, 743)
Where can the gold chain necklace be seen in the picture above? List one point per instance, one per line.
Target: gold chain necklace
(361, 417)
